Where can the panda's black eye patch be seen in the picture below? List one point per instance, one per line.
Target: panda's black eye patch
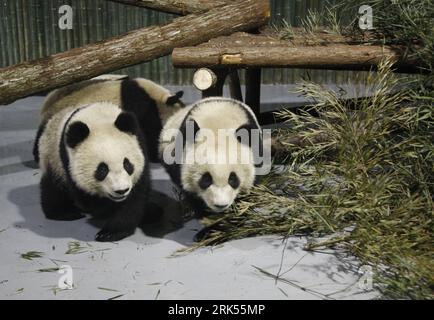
(205, 181)
(233, 180)
(128, 166)
(102, 171)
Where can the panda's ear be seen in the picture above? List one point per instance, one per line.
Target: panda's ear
(245, 134)
(77, 132)
(175, 98)
(127, 122)
(189, 130)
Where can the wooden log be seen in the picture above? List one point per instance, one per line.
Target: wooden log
(204, 79)
(216, 90)
(129, 49)
(269, 38)
(350, 57)
(181, 7)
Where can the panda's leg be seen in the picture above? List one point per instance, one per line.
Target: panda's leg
(36, 143)
(55, 201)
(127, 216)
(123, 223)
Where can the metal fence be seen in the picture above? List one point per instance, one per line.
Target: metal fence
(29, 30)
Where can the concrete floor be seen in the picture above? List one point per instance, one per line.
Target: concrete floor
(145, 265)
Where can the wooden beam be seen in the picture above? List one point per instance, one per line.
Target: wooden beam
(320, 50)
(350, 57)
(181, 7)
(129, 49)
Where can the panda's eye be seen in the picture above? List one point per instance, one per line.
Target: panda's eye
(205, 181)
(233, 180)
(128, 166)
(102, 171)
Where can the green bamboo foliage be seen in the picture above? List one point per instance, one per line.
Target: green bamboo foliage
(29, 30)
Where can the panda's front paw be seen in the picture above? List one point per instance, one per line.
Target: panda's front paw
(106, 235)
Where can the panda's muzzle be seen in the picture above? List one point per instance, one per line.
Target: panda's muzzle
(221, 207)
(122, 192)
(120, 195)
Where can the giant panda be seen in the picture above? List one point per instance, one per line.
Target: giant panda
(151, 103)
(94, 160)
(210, 185)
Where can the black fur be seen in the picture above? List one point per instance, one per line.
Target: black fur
(101, 171)
(198, 205)
(127, 122)
(138, 101)
(128, 166)
(233, 180)
(56, 201)
(188, 136)
(205, 181)
(77, 132)
(174, 171)
(64, 200)
(36, 143)
(175, 98)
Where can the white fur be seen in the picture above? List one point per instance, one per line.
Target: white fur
(105, 91)
(212, 114)
(105, 143)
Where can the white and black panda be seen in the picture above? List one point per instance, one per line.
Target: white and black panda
(211, 184)
(151, 103)
(94, 160)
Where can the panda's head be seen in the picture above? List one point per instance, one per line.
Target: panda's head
(217, 185)
(211, 173)
(105, 158)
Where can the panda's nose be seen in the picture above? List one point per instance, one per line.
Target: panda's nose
(122, 192)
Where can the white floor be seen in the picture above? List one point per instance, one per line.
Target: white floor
(145, 265)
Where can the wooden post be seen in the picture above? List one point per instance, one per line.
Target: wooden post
(267, 118)
(129, 49)
(253, 90)
(234, 85)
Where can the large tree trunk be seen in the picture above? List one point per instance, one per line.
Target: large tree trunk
(350, 57)
(181, 7)
(132, 48)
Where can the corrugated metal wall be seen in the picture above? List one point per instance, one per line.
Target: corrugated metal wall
(29, 30)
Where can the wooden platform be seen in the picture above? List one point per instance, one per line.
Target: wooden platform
(266, 49)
